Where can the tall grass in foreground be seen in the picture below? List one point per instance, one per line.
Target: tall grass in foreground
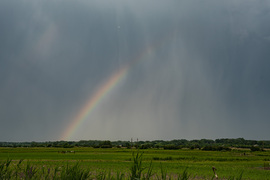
(11, 170)
(137, 168)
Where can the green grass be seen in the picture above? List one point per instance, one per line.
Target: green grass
(115, 162)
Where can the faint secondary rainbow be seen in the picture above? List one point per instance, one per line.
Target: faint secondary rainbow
(105, 88)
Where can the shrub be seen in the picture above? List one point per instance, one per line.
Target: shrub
(255, 148)
(171, 146)
(216, 148)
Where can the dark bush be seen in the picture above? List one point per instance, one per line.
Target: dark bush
(216, 148)
(255, 148)
(171, 146)
(145, 146)
(106, 144)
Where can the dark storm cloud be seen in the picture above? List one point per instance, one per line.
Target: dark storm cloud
(49, 55)
(206, 76)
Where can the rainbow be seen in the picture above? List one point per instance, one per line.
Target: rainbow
(104, 89)
(93, 102)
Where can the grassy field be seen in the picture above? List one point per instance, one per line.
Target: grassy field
(197, 163)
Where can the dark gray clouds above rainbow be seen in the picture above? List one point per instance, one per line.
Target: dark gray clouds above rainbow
(204, 72)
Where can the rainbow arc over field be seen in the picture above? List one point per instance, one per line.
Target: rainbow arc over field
(105, 88)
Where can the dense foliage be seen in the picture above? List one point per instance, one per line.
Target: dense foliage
(205, 144)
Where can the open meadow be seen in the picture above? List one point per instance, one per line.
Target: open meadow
(116, 163)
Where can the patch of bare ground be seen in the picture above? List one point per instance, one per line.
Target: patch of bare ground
(263, 168)
(266, 166)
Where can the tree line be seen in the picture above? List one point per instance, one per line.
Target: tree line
(204, 144)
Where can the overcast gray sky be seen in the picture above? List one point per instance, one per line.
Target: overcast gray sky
(204, 72)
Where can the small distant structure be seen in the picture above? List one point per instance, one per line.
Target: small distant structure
(214, 170)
